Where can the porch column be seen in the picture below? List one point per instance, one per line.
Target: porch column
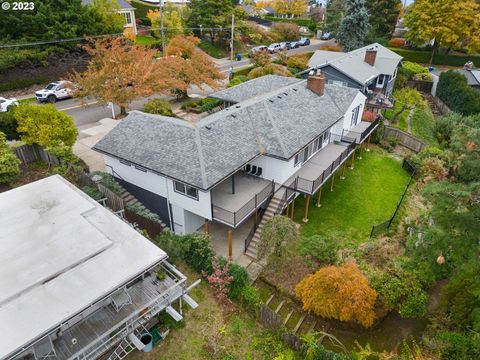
(332, 182)
(353, 160)
(287, 211)
(292, 210)
(360, 155)
(206, 228)
(342, 177)
(368, 143)
(230, 239)
(319, 196)
(305, 215)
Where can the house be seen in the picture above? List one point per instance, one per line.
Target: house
(276, 138)
(76, 281)
(126, 9)
(471, 74)
(372, 69)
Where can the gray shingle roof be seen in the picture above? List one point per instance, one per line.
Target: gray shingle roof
(278, 124)
(473, 76)
(124, 5)
(353, 65)
(252, 88)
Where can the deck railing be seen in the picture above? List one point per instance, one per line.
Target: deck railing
(358, 137)
(235, 218)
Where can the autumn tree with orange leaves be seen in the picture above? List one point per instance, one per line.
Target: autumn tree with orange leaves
(339, 292)
(190, 65)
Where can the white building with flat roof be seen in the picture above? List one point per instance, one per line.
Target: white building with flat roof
(75, 279)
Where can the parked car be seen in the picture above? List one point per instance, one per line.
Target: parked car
(6, 104)
(285, 45)
(55, 91)
(326, 36)
(257, 49)
(304, 41)
(273, 48)
(294, 44)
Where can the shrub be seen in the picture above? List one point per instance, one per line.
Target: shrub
(277, 233)
(140, 210)
(9, 163)
(369, 116)
(8, 125)
(220, 279)
(457, 346)
(237, 80)
(208, 104)
(423, 77)
(250, 298)
(92, 192)
(396, 42)
(339, 292)
(320, 248)
(158, 107)
(298, 61)
(285, 31)
(335, 47)
(108, 181)
(455, 92)
(239, 280)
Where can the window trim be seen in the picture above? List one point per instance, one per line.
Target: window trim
(128, 18)
(185, 186)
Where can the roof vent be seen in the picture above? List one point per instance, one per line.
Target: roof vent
(234, 116)
(286, 94)
(208, 128)
(237, 106)
(279, 96)
(294, 89)
(271, 100)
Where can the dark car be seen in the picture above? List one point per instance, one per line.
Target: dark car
(304, 41)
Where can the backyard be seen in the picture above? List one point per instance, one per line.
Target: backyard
(366, 197)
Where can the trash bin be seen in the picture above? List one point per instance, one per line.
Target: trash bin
(239, 57)
(147, 340)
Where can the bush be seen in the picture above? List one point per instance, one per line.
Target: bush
(158, 107)
(412, 68)
(298, 61)
(208, 104)
(396, 42)
(250, 298)
(335, 47)
(240, 280)
(285, 31)
(457, 346)
(8, 125)
(455, 92)
(423, 77)
(9, 163)
(92, 192)
(237, 80)
(320, 248)
(140, 210)
(108, 181)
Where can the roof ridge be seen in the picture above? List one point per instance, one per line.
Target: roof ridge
(201, 160)
(275, 129)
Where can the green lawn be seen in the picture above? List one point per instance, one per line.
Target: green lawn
(423, 125)
(147, 40)
(401, 119)
(213, 49)
(366, 197)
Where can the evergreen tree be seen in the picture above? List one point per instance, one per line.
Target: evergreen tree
(354, 26)
(334, 15)
(383, 16)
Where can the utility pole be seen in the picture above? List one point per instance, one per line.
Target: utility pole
(231, 46)
(162, 30)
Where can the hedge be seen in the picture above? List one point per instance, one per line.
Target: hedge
(9, 58)
(455, 92)
(423, 57)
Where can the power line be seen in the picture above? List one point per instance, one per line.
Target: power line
(46, 42)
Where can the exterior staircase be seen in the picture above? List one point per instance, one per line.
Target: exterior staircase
(270, 212)
(129, 199)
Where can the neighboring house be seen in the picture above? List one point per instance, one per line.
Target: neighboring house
(76, 281)
(471, 74)
(372, 69)
(126, 9)
(276, 133)
(252, 10)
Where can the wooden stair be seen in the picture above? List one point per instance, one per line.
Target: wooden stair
(270, 212)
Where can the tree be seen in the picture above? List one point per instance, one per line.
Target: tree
(172, 21)
(120, 72)
(285, 31)
(277, 234)
(210, 15)
(354, 27)
(189, 66)
(339, 292)
(9, 163)
(447, 23)
(290, 7)
(46, 126)
(383, 15)
(408, 98)
(334, 15)
(104, 17)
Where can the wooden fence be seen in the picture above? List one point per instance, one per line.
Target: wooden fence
(406, 139)
(153, 228)
(113, 201)
(31, 153)
(420, 85)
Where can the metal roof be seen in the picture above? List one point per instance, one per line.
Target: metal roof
(278, 124)
(60, 252)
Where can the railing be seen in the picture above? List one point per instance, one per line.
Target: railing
(309, 186)
(358, 137)
(251, 234)
(236, 218)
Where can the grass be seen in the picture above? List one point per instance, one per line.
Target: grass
(365, 198)
(213, 50)
(401, 119)
(423, 125)
(27, 101)
(214, 331)
(147, 40)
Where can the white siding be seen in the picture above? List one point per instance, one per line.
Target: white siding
(347, 118)
(275, 169)
(201, 207)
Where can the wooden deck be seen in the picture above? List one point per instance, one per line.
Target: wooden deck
(96, 330)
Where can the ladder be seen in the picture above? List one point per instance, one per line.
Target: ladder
(128, 344)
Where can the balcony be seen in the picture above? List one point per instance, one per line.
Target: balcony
(101, 330)
(318, 169)
(359, 132)
(378, 100)
(237, 197)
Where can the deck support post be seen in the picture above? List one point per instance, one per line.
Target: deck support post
(319, 197)
(332, 182)
(353, 160)
(342, 177)
(305, 216)
(368, 143)
(206, 228)
(229, 236)
(256, 217)
(287, 210)
(360, 154)
(292, 210)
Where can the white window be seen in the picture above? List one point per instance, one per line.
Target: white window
(128, 18)
(297, 160)
(186, 190)
(355, 113)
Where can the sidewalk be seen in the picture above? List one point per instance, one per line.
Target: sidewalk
(87, 138)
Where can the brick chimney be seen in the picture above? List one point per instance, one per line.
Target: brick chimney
(316, 82)
(370, 56)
